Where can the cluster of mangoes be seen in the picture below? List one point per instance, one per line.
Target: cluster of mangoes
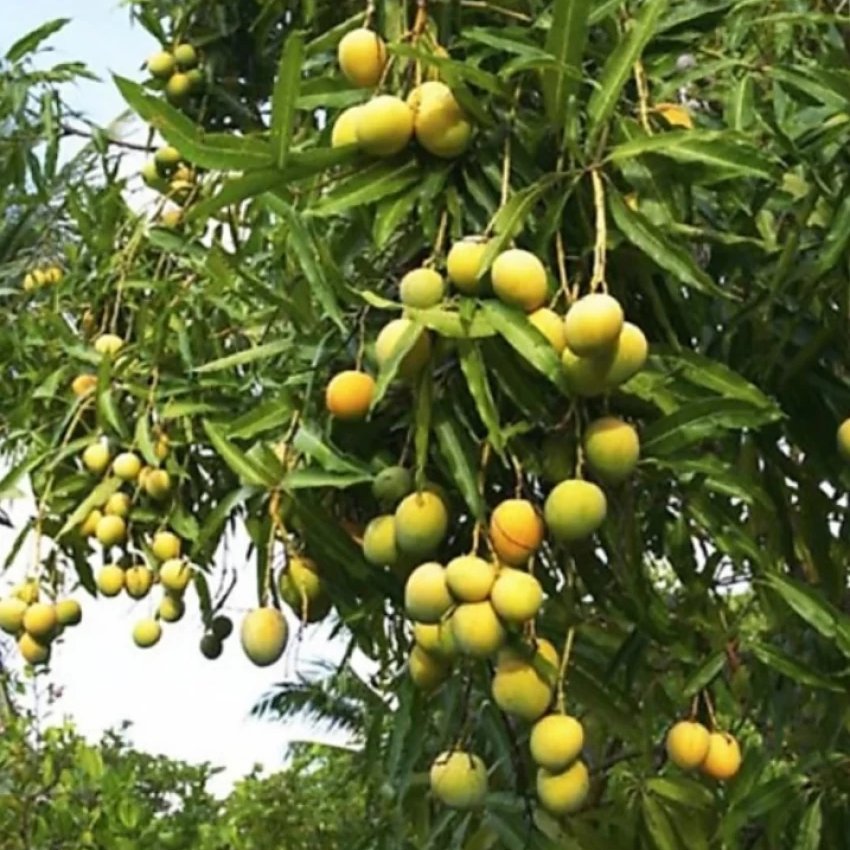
(34, 623)
(44, 276)
(691, 746)
(167, 173)
(386, 124)
(483, 607)
(178, 70)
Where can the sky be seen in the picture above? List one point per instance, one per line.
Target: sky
(178, 702)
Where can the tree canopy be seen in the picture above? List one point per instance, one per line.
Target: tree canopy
(686, 158)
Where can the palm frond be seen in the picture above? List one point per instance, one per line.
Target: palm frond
(336, 699)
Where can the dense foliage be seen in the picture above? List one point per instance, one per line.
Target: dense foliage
(690, 155)
(59, 791)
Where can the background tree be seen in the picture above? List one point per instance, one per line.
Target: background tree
(692, 157)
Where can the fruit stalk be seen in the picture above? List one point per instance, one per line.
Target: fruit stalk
(600, 246)
(562, 670)
(643, 96)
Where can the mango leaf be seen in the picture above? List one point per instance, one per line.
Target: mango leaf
(303, 243)
(143, 440)
(304, 479)
(475, 372)
(28, 43)
(762, 799)
(791, 668)
(658, 824)
(682, 790)
(808, 604)
(369, 184)
(249, 472)
(309, 443)
(209, 532)
(809, 834)
(620, 63)
(207, 150)
(266, 416)
(527, 341)
(285, 96)
(704, 675)
(451, 324)
(424, 404)
(391, 213)
(511, 219)
(238, 189)
(390, 368)
(722, 150)
(96, 499)
(459, 454)
(835, 244)
(249, 355)
(565, 42)
(452, 70)
(705, 372)
(662, 250)
(700, 420)
(108, 415)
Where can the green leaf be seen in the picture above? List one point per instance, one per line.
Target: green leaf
(527, 341)
(108, 414)
(461, 458)
(30, 42)
(662, 250)
(682, 790)
(423, 408)
(702, 371)
(700, 420)
(285, 96)
(143, 440)
(249, 472)
(722, 150)
(791, 668)
(305, 248)
(249, 355)
(834, 247)
(309, 443)
(704, 674)
(453, 325)
(829, 88)
(267, 416)
(475, 372)
(8, 488)
(390, 368)
(808, 604)
(208, 150)
(305, 479)
(658, 824)
(452, 70)
(209, 532)
(762, 799)
(512, 218)
(238, 189)
(809, 834)
(367, 185)
(391, 213)
(565, 41)
(620, 64)
(96, 499)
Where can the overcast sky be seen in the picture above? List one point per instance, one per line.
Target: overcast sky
(179, 703)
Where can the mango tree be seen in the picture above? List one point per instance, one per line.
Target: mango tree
(512, 336)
